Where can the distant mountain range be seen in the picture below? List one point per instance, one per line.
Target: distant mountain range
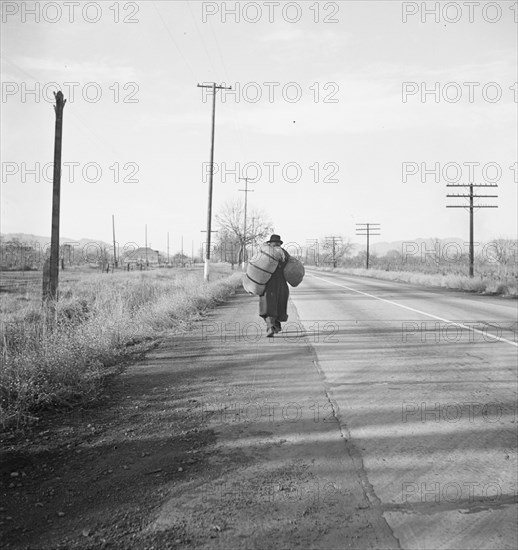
(413, 245)
(408, 246)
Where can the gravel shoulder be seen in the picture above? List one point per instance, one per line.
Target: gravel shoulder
(218, 438)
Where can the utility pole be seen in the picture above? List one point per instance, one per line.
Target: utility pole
(368, 230)
(50, 278)
(312, 244)
(147, 262)
(253, 234)
(246, 191)
(114, 247)
(168, 248)
(192, 252)
(181, 257)
(333, 241)
(208, 244)
(211, 173)
(471, 197)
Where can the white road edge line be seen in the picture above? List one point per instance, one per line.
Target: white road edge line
(499, 338)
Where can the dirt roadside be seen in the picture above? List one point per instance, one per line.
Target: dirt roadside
(220, 438)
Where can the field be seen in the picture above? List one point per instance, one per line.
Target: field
(59, 355)
(22, 281)
(495, 271)
(483, 284)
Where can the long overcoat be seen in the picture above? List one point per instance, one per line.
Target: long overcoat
(274, 301)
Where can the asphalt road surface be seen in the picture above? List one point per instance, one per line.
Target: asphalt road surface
(423, 383)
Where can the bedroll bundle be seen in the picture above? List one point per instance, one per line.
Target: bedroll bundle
(294, 271)
(261, 267)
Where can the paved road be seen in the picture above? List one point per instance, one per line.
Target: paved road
(424, 384)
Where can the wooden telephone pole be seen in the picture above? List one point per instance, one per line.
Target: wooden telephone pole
(471, 207)
(211, 173)
(147, 260)
(114, 246)
(333, 241)
(246, 191)
(368, 230)
(312, 244)
(51, 270)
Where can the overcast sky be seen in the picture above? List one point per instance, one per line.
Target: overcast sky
(341, 110)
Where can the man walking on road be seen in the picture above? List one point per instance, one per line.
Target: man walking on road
(273, 303)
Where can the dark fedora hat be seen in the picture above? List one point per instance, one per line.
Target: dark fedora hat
(275, 239)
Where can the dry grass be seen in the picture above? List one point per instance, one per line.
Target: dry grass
(59, 358)
(480, 284)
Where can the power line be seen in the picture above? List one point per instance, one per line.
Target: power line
(471, 197)
(202, 39)
(368, 230)
(237, 128)
(96, 139)
(218, 49)
(174, 42)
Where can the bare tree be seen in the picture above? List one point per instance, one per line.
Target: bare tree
(501, 254)
(228, 247)
(230, 220)
(335, 250)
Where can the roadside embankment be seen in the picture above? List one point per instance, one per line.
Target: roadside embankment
(57, 356)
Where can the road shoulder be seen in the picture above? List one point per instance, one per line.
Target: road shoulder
(219, 438)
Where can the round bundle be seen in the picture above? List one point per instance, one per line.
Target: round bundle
(294, 271)
(260, 268)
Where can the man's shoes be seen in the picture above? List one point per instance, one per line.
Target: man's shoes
(272, 327)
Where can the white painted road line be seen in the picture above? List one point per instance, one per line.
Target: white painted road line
(499, 338)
